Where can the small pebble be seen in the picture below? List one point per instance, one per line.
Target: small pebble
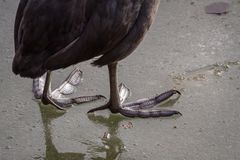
(217, 8)
(129, 125)
(8, 147)
(106, 135)
(9, 137)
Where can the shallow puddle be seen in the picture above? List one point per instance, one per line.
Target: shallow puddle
(205, 73)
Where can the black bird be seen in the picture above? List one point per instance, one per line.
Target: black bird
(54, 34)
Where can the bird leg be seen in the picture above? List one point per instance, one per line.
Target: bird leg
(46, 99)
(57, 97)
(140, 108)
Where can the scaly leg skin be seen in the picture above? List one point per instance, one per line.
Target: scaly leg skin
(57, 98)
(140, 108)
(46, 97)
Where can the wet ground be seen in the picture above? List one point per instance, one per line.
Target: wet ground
(186, 49)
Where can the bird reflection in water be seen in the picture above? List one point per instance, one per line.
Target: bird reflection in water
(48, 115)
(112, 146)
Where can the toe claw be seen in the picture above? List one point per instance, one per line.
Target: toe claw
(164, 96)
(99, 108)
(176, 91)
(168, 113)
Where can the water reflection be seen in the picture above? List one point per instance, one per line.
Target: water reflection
(110, 149)
(113, 145)
(206, 72)
(48, 114)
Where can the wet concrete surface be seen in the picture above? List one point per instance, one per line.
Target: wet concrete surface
(186, 49)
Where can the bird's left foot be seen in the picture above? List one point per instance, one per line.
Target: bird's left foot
(58, 97)
(141, 108)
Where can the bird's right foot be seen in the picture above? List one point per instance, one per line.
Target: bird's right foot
(140, 108)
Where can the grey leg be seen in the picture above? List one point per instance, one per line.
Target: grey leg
(114, 102)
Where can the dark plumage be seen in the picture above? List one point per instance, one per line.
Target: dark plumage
(53, 34)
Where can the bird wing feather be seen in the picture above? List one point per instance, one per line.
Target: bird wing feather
(109, 24)
(57, 33)
(48, 25)
(18, 19)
